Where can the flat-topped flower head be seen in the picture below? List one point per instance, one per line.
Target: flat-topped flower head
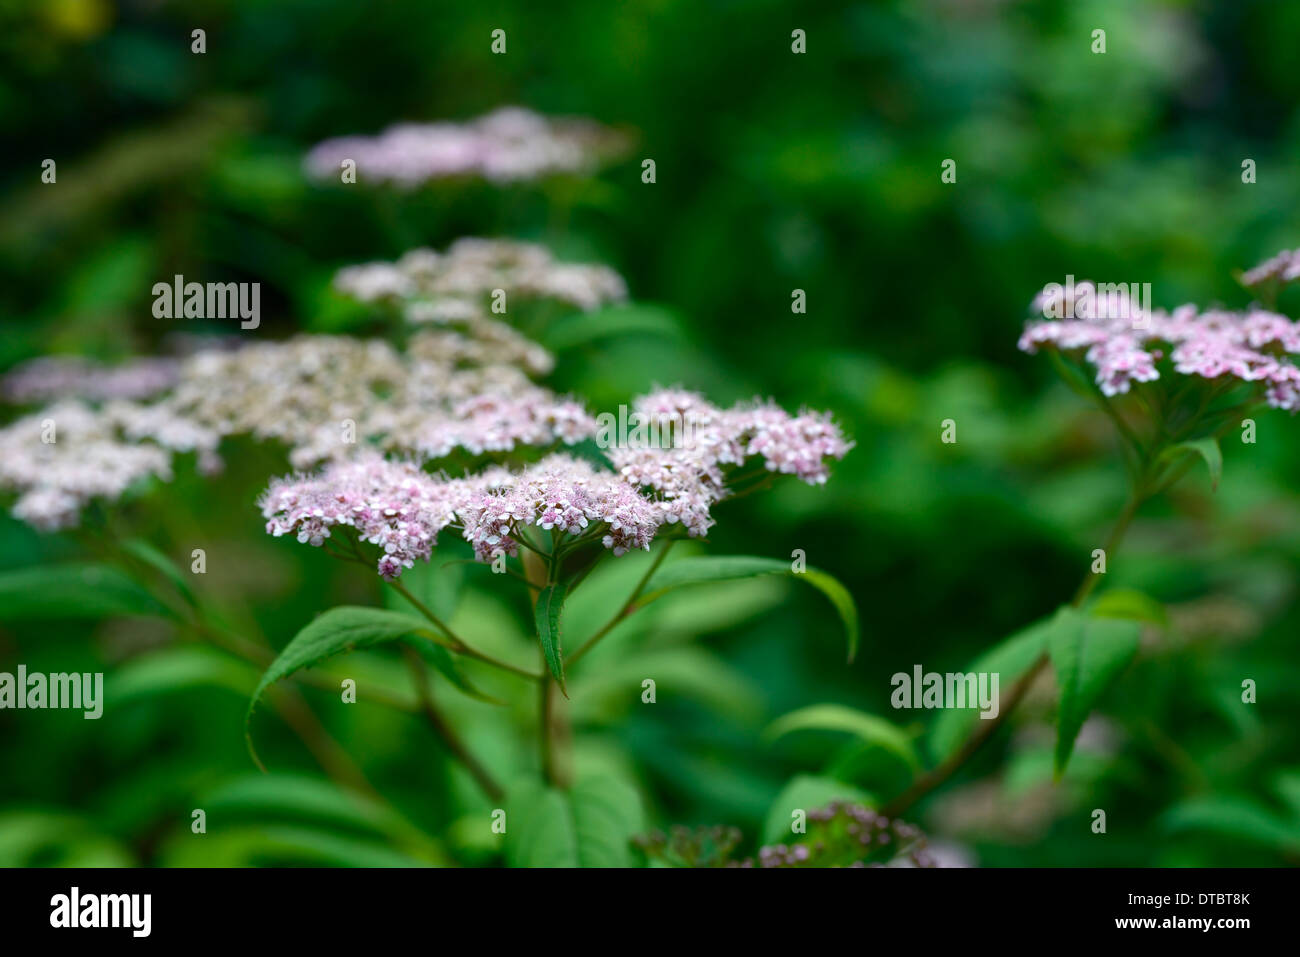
(1282, 268)
(49, 378)
(458, 285)
(1124, 346)
(60, 459)
(510, 144)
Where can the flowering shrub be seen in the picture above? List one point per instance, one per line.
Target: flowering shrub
(445, 428)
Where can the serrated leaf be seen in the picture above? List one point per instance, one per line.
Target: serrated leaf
(77, 590)
(1087, 655)
(550, 602)
(701, 570)
(335, 632)
(1207, 448)
(590, 826)
(806, 792)
(834, 717)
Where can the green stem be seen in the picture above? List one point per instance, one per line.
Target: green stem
(458, 644)
(626, 608)
(986, 729)
(443, 730)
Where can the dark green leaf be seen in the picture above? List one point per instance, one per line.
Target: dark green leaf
(1008, 660)
(161, 564)
(332, 633)
(550, 602)
(1087, 654)
(73, 591)
(1207, 448)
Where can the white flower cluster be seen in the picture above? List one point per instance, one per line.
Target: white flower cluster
(455, 286)
(508, 145)
(61, 458)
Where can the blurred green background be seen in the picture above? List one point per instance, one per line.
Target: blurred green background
(775, 171)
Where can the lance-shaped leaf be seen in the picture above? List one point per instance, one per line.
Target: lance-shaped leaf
(1207, 448)
(550, 602)
(836, 717)
(73, 591)
(332, 633)
(703, 570)
(1087, 654)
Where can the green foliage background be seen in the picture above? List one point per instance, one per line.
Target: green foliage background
(775, 172)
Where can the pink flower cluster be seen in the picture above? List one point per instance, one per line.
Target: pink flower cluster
(401, 508)
(1124, 347)
(1284, 267)
(392, 504)
(687, 476)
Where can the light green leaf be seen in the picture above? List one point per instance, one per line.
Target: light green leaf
(550, 602)
(1238, 818)
(624, 320)
(806, 792)
(1130, 604)
(162, 564)
(701, 570)
(179, 669)
(73, 591)
(1207, 448)
(834, 717)
(301, 799)
(335, 632)
(1087, 654)
(590, 826)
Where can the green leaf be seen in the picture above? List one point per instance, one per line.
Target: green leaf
(582, 328)
(335, 632)
(1207, 448)
(701, 570)
(73, 591)
(590, 826)
(159, 562)
(182, 668)
(1236, 818)
(1087, 654)
(834, 717)
(1009, 660)
(303, 800)
(550, 602)
(806, 792)
(1129, 604)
